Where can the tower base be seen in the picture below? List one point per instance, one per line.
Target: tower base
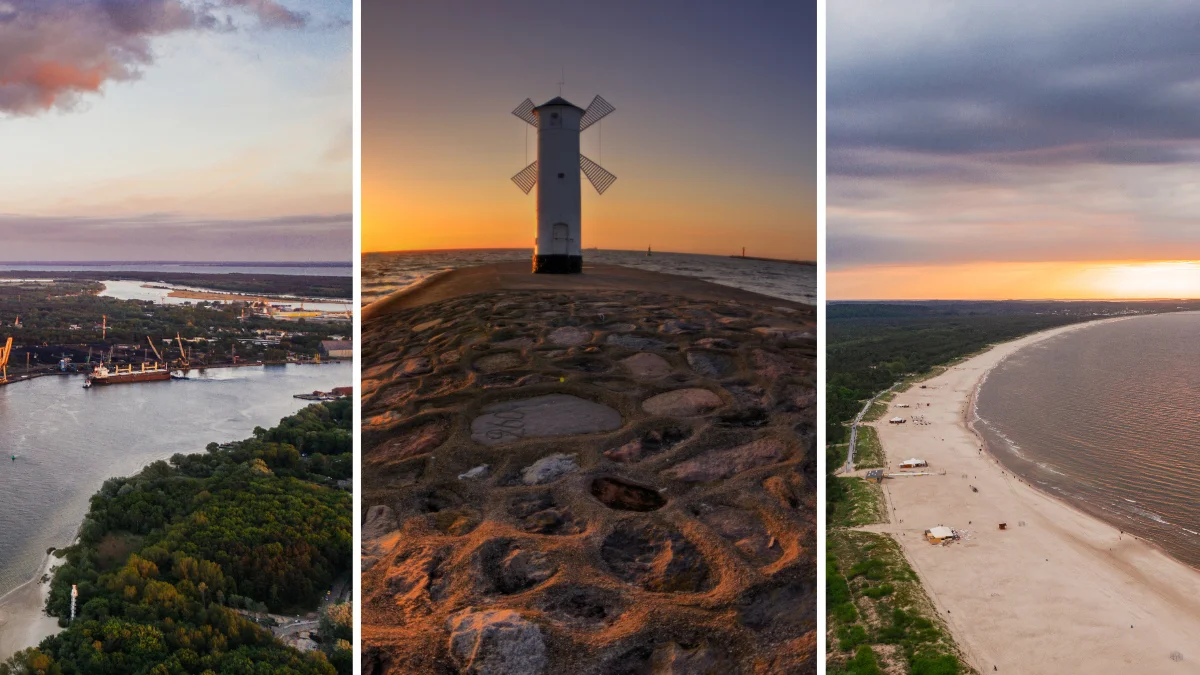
(557, 264)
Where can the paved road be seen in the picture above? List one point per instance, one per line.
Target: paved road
(848, 467)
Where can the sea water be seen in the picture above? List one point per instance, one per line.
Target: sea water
(384, 273)
(1107, 417)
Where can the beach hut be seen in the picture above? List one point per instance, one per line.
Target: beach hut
(913, 463)
(897, 420)
(940, 534)
(875, 476)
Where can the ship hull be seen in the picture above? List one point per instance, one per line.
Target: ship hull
(126, 378)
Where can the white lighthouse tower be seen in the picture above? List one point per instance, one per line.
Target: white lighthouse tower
(557, 246)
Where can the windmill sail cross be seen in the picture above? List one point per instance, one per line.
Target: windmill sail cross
(599, 178)
(526, 178)
(596, 110)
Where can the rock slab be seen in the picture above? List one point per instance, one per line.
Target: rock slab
(646, 366)
(682, 403)
(498, 642)
(719, 464)
(541, 416)
(569, 336)
(548, 469)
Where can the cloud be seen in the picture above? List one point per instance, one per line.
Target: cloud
(163, 236)
(1013, 82)
(53, 52)
(1012, 130)
(271, 14)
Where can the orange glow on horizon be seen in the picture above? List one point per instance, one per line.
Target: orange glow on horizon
(392, 222)
(1101, 280)
(403, 211)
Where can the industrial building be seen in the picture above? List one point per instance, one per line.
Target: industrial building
(337, 349)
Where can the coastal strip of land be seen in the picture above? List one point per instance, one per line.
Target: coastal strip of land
(236, 297)
(1056, 590)
(23, 620)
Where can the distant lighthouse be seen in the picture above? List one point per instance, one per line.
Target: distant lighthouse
(558, 247)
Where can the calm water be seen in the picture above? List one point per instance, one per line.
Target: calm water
(69, 440)
(192, 268)
(160, 293)
(1109, 418)
(383, 273)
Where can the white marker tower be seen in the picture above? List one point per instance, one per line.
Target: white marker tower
(557, 248)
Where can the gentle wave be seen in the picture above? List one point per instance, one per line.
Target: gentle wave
(385, 273)
(1108, 417)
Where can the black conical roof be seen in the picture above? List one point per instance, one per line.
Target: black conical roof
(558, 100)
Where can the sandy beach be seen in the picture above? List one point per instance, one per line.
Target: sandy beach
(22, 621)
(1058, 591)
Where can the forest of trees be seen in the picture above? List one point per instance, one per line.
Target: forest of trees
(165, 558)
(48, 311)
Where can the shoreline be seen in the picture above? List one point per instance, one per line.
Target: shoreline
(516, 276)
(23, 621)
(971, 416)
(1073, 591)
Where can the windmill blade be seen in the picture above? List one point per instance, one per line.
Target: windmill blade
(526, 178)
(525, 112)
(596, 110)
(601, 179)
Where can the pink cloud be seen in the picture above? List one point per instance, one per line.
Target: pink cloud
(54, 51)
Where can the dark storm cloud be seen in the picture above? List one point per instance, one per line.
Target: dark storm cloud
(161, 236)
(54, 51)
(1014, 83)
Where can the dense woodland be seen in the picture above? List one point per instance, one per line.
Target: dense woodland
(166, 557)
(47, 313)
(308, 286)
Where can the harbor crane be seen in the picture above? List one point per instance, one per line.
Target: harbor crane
(5, 352)
(183, 357)
(155, 349)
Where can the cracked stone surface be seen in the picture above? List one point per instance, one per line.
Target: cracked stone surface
(544, 467)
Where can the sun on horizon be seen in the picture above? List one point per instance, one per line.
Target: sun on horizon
(1092, 280)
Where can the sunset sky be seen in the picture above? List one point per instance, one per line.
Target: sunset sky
(1013, 149)
(202, 130)
(713, 138)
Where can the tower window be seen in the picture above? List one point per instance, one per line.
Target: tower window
(562, 175)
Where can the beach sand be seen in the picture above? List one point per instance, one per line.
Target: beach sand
(1059, 591)
(22, 621)
(649, 497)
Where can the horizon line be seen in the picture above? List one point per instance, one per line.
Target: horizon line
(624, 250)
(901, 300)
(228, 263)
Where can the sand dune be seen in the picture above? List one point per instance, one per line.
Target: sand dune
(1058, 591)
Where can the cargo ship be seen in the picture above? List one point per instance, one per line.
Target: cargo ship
(102, 375)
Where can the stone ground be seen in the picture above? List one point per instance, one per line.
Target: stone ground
(599, 482)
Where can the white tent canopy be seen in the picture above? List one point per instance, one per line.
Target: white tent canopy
(941, 532)
(914, 462)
